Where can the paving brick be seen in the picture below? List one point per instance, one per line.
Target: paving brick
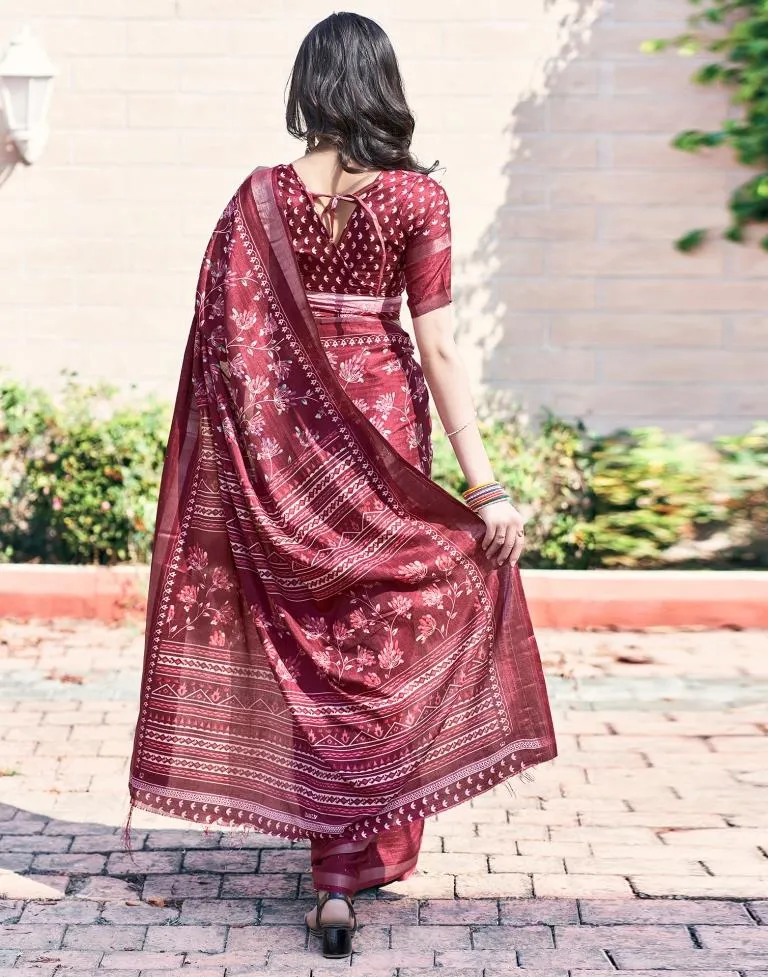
(15, 862)
(413, 972)
(433, 863)
(737, 864)
(47, 936)
(630, 865)
(64, 911)
(205, 939)
(530, 959)
(614, 937)
(518, 912)
(235, 912)
(493, 886)
(722, 887)
(178, 839)
(33, 843)
(107, 842)
(717, 838)
(258, 938)
(454, 912)
(181, 887)
(433, 937)
(144, 863)
(135, 913)
(100, 888)
(10, 910)
(753, 940)
(39, 970)
(758, 909)
(661, 973)
(431, 887)
(112, 937)
(580, 886)
(242, 962)
(142, 961)
(663, 911)
(80, 864)
(226, 861)
(388, 911)
(255, 886)
(696, 960)
(512, 937)
(526, 864)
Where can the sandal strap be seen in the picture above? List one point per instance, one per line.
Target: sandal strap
(322, 901)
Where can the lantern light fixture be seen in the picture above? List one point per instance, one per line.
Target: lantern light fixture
(26, 81)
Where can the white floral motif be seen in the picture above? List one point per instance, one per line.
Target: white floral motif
(353, 369)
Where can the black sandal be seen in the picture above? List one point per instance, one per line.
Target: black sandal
(337, 937)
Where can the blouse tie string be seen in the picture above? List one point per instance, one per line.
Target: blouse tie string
(330, 207)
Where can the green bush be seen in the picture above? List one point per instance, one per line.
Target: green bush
(650, 491)
(546, 473)
(661, 500)
(79, 476)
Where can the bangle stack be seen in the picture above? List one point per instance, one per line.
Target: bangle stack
(480, 495)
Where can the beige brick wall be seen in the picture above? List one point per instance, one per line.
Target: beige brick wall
(554, 133)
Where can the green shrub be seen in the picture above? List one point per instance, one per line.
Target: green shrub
(650, 490)
(79, 476)
(744, 460)
(545, 471)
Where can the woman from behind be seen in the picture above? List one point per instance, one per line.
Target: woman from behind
(337, 648)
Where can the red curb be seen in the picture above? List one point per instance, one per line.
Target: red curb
(94, 593)
(571, 599)
(639, 599)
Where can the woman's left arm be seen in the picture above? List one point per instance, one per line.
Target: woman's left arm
(449, 386)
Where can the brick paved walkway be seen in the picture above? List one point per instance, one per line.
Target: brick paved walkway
(658, 793)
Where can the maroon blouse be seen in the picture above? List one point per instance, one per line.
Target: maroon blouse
(406, 213)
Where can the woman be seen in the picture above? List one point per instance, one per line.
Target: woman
(336, 647)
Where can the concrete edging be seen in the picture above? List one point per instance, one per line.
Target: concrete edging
(577, 599)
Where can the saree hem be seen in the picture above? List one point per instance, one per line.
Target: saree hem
(224, 812)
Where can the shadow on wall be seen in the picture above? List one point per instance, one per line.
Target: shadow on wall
(506, 258)
(578, 300)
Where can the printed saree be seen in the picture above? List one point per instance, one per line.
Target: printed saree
(329, 654)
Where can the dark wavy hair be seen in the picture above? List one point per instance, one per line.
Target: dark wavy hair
(345, 91)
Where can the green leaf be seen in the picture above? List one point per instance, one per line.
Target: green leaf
(709, 74)
(653, 47)
(691, 241)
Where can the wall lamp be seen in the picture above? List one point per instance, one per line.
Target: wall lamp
(26, 81)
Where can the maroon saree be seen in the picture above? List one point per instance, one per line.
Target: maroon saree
(329, 653)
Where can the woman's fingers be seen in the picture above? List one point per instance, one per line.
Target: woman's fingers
(518, 546)
(490, 533)
(498, 538)
(506, 549)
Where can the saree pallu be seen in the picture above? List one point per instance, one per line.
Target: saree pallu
(329, 653)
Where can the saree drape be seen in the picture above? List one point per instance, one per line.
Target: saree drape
(329, 654)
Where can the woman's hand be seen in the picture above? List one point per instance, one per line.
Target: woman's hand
(504, 532)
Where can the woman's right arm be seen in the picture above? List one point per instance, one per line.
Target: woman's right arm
(449, 386)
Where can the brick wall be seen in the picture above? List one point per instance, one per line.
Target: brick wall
(554, 133)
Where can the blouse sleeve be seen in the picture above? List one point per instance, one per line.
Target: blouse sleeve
(428, 251)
